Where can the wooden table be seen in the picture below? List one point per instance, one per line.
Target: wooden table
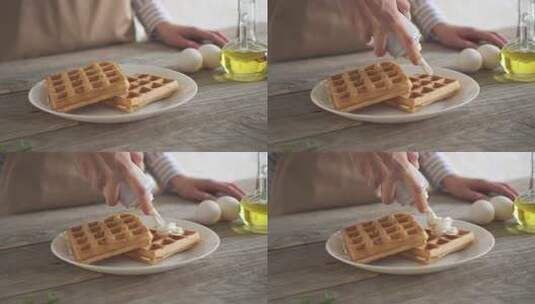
(500, 119)
(224, 116)
(301, 270)
(235, 273)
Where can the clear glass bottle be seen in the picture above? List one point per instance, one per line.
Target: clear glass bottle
(244, 58)
(254, 206)
(518, 56)
(524, 206)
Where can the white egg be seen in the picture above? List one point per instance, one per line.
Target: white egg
(469, 60)
(230, 208)
(490, 55)
(503, 207)
(481, 212)
(208, 212)
(189, 61)
(211, 56)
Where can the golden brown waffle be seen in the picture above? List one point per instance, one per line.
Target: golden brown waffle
(389, 235)
(439, 246)
(99, 240)
(77, 88)
(165, 245)
(426, 89)
(144, 89)
(361, 88)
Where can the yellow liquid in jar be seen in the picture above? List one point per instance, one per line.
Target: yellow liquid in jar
(245, 65)
(524, 212)
(254, 215)
(518, 65)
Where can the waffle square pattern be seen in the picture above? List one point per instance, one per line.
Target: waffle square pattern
(373, 240)
(165, 245)
(144, 89)
(438, 246)
(115, 235)
(360, 88)
(425, 90)
(77, 88)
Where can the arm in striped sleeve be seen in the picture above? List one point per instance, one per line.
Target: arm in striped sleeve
(426, 15)
(150, 13)
(163, 166)
(435, 167)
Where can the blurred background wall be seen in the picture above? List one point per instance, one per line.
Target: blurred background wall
(500, 166)
(224, 166)
(215, 14)
(487, 14)
(490, 14)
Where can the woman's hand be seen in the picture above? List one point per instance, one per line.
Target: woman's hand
(106, 170)
(387, 170)
(383, 17)
(471, 189)
(187, 36)
(461, 37)
(195, 189)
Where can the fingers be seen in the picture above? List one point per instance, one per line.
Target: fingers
(419, 194)
(225, 188)
(379, 41)
(388, 192)
(137, 158)
(238, 193)
(411, 46)
(404, 7)
(513, 190)
(493, 187)
(414, 159)
(477, 36)
(181, 42)
(200, 35)
(221, 36)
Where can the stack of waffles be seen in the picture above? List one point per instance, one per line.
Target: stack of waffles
(119, 234)
(399, 234)
(103, 82)
(385, 82)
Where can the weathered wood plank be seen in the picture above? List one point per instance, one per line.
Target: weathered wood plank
(502, 276)
(223, 118)
(484, 124)
(236, 273)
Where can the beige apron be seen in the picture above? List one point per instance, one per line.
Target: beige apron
(308, 28)
(33, 181)
(307, 181)
(32, 28)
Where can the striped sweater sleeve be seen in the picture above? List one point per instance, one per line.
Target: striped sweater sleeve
(163, 166)
(150, 13)
(426, 15)
(435, 167)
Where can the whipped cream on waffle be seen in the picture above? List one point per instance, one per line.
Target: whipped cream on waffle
(171, 228)
(440, 225)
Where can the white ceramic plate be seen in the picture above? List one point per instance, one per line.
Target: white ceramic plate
(483, 243)
(103, 114)
(385, 114)
(123, 265)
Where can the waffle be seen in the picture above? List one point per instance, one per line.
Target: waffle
(143, 90)
(164, 246)
(426, 89)
(99, 240)
(77, 88)
(439, 246)
(389, 235)
(361, 88)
